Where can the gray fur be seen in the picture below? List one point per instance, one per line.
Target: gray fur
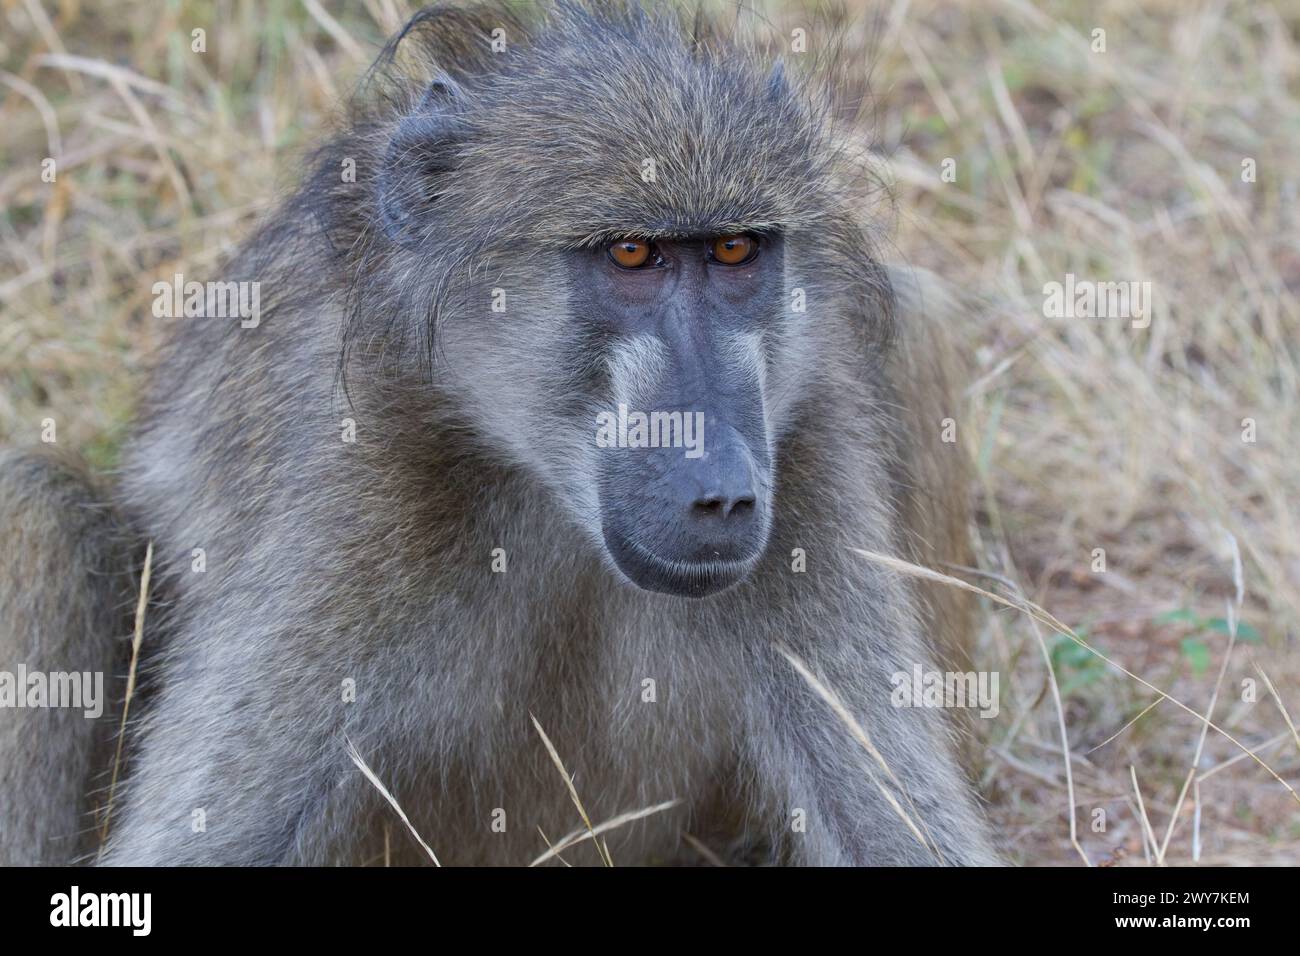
(65, 595)
(370, 561)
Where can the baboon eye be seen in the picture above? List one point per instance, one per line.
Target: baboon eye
(734, 250)
(630, 253)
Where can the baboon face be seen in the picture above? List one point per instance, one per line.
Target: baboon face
(619, 233)
(635, 377)
(683, 468)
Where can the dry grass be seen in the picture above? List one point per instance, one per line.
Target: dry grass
(1088, 433)
(1092, 434)
(137, 639)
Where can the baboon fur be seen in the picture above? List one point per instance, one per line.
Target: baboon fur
(66, 583)
(329, 565)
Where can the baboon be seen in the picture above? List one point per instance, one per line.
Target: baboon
(384, 520)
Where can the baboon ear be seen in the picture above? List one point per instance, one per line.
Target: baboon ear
(421, 152)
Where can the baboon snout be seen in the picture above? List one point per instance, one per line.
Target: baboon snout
(682, 525)
(720, 494)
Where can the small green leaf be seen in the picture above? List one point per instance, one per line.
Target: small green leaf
(1082, 678)
(1197, 653)
(1244, 631)
(1075, 666)
(1184, 615)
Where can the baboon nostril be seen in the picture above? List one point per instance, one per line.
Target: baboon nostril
(742, 505)
(724, 506)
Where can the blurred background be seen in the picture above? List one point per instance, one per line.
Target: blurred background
(1162, 150)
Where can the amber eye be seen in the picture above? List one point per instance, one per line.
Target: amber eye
(630, 253)
(734, 250)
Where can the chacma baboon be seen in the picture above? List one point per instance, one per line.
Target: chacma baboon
(409, 509)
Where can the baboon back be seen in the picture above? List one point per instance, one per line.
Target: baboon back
(65, 593)
(925, 370)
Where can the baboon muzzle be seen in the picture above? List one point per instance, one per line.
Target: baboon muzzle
(689, 526)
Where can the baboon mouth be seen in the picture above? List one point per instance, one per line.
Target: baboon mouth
(695, 579)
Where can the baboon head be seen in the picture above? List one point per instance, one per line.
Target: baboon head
(625, 237)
